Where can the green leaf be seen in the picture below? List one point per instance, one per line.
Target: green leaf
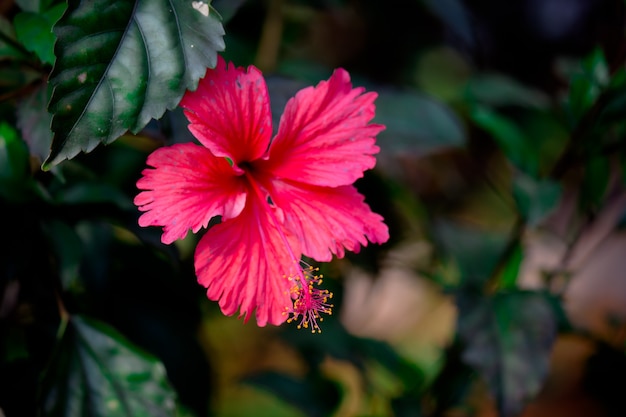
(535, 198)
(68, 248)
(15, 179)
(473, 252)
(34, 6)
(9, 47)
(97, 372)
(120, 64)
(314, 395)
(508, 338)
(34, 31)
(33, 120)
(509, 136)
(586, 84)
(94, 193)
(500, 90)
(416, 123)
(510, 272)
(595, 182)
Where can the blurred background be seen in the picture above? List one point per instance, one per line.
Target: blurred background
(501, 176)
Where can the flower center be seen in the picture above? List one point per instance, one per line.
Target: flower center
(309, 301)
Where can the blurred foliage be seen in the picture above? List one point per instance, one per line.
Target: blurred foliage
(505, 125)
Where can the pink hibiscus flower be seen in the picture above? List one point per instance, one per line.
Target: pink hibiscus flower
(278, 198)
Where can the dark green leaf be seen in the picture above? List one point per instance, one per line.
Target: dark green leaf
(96, 372)
(586, 84)
(33, 120)
(595, 183)
(93, 193)
(499, 90)
(13, 155)
(121, 63)
(34, 30)
(34, 6)
(68, 249)
(416, 123)
(8, 44)
(314, 395)
(508, 339)
(535, 198)
(510, 272)
(15, 179)
(473, 252)
(509, 137)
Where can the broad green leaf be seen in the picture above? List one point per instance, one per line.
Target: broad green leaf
(33, 120)
(97, 372)
(535, 198)
(120, 64)
(416, 123)
(509, 136)
(34, 31)
(315, 396)
(473, 253)
(500, 90)
(508, 338)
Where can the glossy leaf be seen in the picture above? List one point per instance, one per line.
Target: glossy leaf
(120, 64)
(508, 338)
(97, 372)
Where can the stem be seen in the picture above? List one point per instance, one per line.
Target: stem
(271, 35)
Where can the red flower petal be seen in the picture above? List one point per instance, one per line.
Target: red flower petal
(327, 220)
(229, 113)
(324, 137)
(186, 189)
(244, 264)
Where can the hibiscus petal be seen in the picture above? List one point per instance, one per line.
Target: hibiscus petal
(245, 264)
(187, 187)
(328, 220)
(324, 137)
(229, 113)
